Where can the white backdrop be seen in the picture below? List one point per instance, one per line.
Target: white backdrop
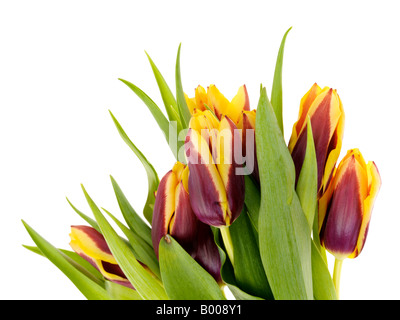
(59, 65)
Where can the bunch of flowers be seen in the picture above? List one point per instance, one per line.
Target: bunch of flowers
(239, 208)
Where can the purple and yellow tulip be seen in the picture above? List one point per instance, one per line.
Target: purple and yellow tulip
(173, 215)
(216, 191)
(345, 209)
(325, 110)
(91, 245)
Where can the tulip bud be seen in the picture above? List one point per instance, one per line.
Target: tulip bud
(216, 191)
(345, 208)
(173, 215)
(325, 110)
(91, 245)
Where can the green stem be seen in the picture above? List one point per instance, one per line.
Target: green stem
(337, 269)
(226, 237)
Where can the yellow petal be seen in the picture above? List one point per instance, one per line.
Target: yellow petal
(217, 102)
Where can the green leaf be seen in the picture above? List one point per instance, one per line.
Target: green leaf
(276, 93)
(133, 220)
(252, 199)
(89, 220)
(248, 268)
(146, 285)
(120, 292)
(180, 96)
(228, 273)
(307, 184)
(168, 98)
(183, 277)
(158, 115)
(284, 237)
(78, 262)
(323, 286)
(141, 249)
(89, 288)
(152, 176)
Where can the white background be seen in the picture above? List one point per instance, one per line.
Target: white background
(59, 69)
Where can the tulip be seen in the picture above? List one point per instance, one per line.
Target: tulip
(325, 110)
(173, 215)
(91, 245)
(216, 191)
(345, 208)
(218, 104)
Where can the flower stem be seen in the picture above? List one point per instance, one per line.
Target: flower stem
(337, 269)
(226, 237)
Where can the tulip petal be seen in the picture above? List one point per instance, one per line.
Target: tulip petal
(201, 98)
(305, 104)
(217, 102)
(184, 224)
(226, 164)
(164, 208)
(207, 254)
(374, 184)
(207, 193)
(91, 242)
(239, 103)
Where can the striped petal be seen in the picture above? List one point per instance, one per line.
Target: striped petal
(227, 141)
(164, 208)
(206, 188)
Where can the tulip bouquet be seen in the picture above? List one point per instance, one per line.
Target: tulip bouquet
(240, 208)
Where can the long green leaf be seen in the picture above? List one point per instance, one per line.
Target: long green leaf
(89, 220)
(158, 115)
(249, 272)
(146, 285)
(284, 237)
(133, 220)
(168, 98)
(276, 93)
(78, 262)
(183, 277)
(89, 288)
(152, 177)
(180, 96)
(307, 183)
